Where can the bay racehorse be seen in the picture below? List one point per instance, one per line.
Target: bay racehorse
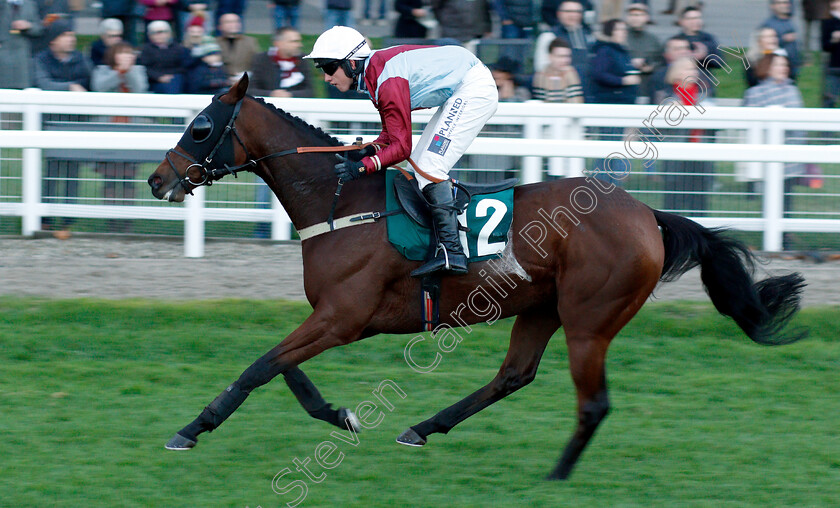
(582, 254)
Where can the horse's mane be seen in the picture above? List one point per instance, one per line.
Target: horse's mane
(299, 122)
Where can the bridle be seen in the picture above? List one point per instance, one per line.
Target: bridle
(209, 170)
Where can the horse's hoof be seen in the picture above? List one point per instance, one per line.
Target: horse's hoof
(180, 443)
(411, 438)
(349, 420)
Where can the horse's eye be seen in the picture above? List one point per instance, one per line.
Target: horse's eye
(201, 129)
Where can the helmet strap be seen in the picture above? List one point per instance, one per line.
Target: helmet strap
(351, 72)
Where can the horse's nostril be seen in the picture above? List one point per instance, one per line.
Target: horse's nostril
(155, 182)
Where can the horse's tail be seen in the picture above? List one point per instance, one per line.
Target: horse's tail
(762, 309)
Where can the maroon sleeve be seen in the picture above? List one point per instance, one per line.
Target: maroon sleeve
(384, 139)
(395, 110)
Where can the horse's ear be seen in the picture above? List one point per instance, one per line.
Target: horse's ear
(237, 91)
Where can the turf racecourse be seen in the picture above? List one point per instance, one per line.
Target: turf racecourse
(90, 391)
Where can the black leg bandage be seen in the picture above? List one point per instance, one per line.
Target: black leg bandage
(259, 373)
(309, 397)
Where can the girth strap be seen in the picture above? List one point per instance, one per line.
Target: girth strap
(430, 289)
(343, 222)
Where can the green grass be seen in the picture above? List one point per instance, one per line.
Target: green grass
(90, 390)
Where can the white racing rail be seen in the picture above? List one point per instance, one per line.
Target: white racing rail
(554, 131)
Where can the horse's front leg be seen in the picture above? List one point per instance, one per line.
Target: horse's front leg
(317, 334)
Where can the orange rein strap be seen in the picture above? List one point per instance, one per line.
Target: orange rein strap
(345, 148)
(331, 149)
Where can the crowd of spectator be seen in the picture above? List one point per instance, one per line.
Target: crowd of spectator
(614, 56)
(593, 51)
(172, 46)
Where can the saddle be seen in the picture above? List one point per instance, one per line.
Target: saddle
(411, 199)
(412, 232)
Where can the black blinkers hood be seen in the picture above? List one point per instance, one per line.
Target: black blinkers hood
(207, 150)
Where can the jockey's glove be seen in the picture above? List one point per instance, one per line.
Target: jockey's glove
(347, 170)
(357, 155)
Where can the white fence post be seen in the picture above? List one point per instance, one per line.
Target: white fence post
(575, 131)
(558, 166)
(31, 175)
(194, 224)
(532, 166)
(570, 147)
(280, 223)
(774, 189)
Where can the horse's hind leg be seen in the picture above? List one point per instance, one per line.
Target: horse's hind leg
(317, 334)
(531, 332)
(589, 327)
(310, 398)
(587, 356)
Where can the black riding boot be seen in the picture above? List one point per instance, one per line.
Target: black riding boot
(449, 255)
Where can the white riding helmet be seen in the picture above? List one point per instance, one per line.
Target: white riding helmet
(340, 43)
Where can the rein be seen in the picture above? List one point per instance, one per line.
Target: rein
(207, 175)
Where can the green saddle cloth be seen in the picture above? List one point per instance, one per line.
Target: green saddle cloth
(488, 216)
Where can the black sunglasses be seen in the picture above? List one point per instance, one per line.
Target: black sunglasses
(328, 65)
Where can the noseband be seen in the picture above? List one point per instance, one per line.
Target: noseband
(208, 171)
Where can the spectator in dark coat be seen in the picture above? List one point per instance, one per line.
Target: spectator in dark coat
(518, 18)
(781, 22)
(279, 71)
(229, 7)
(159, 10)
(703, 44)
(614, 79)
(166, 62)
(110, 33)
(286, 13)
(830, 37)
(676, 48)
(570, 27)
(548, 11)
(455, 19)
(208, 75)
(126, 11)
(408, 24)
(61, 66)
(19, 25)
(813, 10)
(49, 11)
(644, 47)
(338, 13)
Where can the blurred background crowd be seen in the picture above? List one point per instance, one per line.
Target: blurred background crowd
(562, 51)
(601, 51)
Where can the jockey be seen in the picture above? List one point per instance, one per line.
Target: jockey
(399, 80)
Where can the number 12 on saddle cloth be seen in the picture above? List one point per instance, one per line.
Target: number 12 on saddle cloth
(488, 217)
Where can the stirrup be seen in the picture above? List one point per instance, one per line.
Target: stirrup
(451, 263)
